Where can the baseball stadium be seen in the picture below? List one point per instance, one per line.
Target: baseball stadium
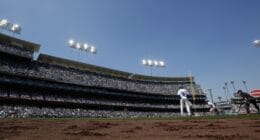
(56, 87)
(47, 96)
(51, 87)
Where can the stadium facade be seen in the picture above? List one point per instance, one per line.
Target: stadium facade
(55, 87)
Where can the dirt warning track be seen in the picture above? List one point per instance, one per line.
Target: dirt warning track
(81, 129)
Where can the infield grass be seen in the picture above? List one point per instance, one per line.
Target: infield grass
(216, 117)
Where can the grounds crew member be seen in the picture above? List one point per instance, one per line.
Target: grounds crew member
(183, 93)
(248, 99)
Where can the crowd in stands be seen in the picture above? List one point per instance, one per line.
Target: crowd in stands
(38, 95)
(27, 111)
(39, 70)
(69, 75)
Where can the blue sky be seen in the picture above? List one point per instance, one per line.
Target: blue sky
(211, 39)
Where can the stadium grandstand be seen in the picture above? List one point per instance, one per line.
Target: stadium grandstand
(55, 87)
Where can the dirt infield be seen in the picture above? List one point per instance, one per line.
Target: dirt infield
(83, 129)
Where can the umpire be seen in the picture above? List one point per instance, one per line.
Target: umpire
(248, 100)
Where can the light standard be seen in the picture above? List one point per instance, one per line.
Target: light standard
(225, 91)
(256, 43)
(82, 47)
(233, 85)
(211, 96)
(8, 26)
(219, 98)
(244, 82)
(153, 63)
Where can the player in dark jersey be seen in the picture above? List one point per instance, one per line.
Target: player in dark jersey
(248, 100)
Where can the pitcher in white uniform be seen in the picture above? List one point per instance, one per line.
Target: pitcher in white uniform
(183, 93)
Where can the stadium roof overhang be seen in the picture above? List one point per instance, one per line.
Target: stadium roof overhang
(21, 43)
(107, 71)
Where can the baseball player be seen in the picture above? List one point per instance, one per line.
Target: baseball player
(183, 93)
(248, 100)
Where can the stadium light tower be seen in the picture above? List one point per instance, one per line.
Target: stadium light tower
(153, 63)
(3, 23)
(83, 47)
(219, 98)
(11, 27)
(225, 91)
(233, 85)
(256, 43)
(211, 96)
(244, 82)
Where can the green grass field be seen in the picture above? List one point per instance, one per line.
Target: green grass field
(216, 117)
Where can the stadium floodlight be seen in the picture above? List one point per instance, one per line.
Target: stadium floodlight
(3, 23)
(71, 42)
(144, 62)
(233, 85)
(211, 96)
(162, 63)
(15, 28)
(156, 63)
(244, 82)
(78, 45)
(84, 47)
(150, 62)
(93, 50)
(153, 63)
(256, 43)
